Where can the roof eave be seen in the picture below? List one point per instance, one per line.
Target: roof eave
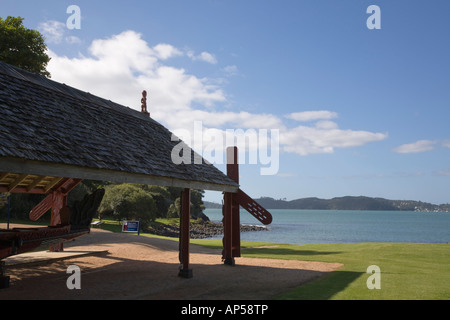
(24, 166)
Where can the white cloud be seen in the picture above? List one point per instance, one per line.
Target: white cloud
(231, 70)
(305, 140)
(415, 147)
(204, 56)
(444, 173)
(446, 143)
(165, 51)
(312, 115)
(73, 40)
(325, 136)
(54, 32)
(120, 67)
(326, 125)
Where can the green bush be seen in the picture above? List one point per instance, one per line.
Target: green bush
(130, 202)
(174, 209)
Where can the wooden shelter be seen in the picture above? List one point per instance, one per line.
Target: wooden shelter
(52, 136)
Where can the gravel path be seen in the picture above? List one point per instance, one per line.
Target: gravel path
(139, 267)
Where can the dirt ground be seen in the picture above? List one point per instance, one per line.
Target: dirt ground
(128, 266)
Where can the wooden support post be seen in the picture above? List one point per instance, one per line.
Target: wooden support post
(185, 214)
(231, 221)
(59, 202)
(236, 227)
(227, 256)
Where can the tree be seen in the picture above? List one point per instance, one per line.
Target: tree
(129, 201)
(161, 197)
(22, 47)
(174, 209)
(196, 206)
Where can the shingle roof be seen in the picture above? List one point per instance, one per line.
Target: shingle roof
(51, 123)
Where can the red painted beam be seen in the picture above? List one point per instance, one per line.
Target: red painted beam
(66, 185)
(41, 208)
(55, 201)
(22, 190)
(253, 208)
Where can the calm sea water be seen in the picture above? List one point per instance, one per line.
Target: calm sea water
(342, 226)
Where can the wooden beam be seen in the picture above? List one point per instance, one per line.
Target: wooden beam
(41, 208)
(23, 190)
(254, 208)
(15, 165)
(17, 181)
(3, 175)
(52, 183)
(36, 181)
(69, 185)
(61, 183)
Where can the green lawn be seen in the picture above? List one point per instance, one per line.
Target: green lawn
(408, 271)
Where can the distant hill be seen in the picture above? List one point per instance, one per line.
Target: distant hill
(212, 205)
(351, 203)
(344, 203)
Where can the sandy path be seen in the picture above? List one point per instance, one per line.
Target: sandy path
(138, 267)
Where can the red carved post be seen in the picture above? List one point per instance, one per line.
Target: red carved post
(185, 272)
(56, 201)
(227, 255)
(59, 201)
(231, 220)
(233, 173)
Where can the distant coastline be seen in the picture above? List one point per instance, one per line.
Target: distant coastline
(345, 203)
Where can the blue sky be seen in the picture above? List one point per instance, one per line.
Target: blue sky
(359, 111)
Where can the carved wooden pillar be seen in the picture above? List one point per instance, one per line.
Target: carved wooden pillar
(59, 201)
(185, 214)
(227, 255)
(231, 219)
(56, 201)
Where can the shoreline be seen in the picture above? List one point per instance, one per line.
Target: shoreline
(200, 230)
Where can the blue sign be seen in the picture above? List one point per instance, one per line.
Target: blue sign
(131, 226)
